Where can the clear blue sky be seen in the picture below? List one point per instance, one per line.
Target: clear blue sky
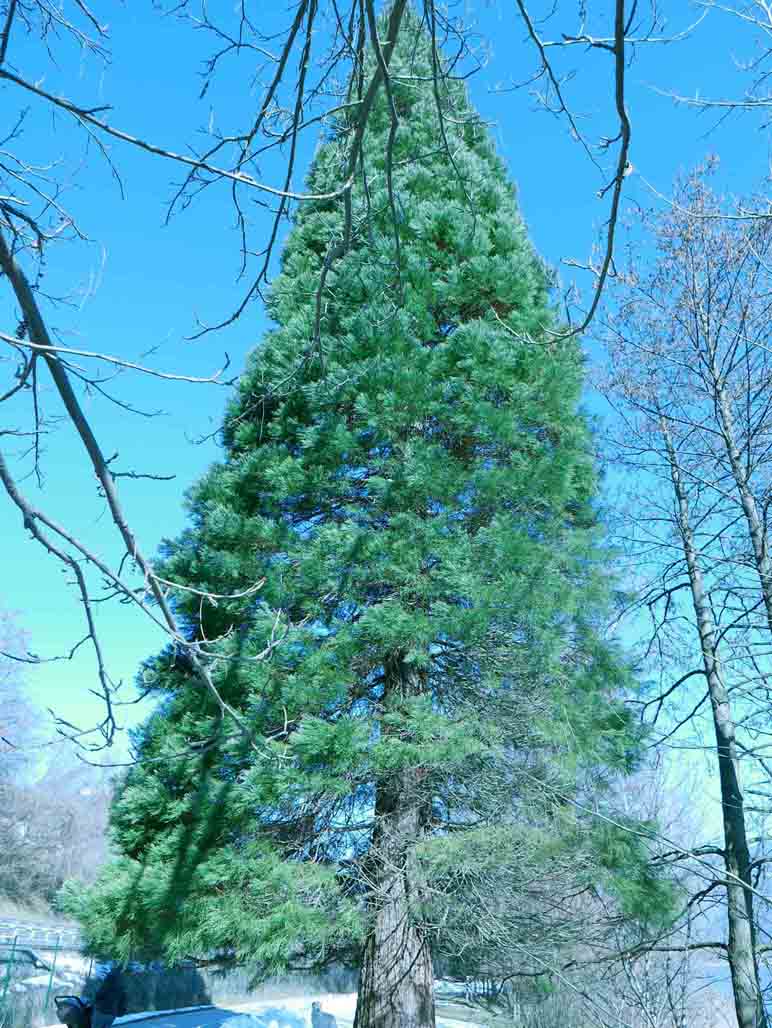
(141, 284)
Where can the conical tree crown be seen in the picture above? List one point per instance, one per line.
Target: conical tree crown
(406, 468)
(391, 419)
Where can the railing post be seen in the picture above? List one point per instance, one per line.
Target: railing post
(8, 973)
(53, 969)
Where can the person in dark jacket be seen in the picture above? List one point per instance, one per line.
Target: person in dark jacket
(110, 999)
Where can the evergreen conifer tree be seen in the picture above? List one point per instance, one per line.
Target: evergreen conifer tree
(406, 467)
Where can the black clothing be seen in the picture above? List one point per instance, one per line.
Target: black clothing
(111, 995)
(73, 1012)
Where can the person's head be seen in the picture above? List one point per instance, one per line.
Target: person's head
(72, 1012)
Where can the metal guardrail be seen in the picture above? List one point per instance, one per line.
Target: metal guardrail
(40, 936)
(14, 956)
(10, 954)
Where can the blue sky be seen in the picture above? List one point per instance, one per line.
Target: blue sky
(142, 284)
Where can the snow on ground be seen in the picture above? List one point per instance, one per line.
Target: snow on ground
(73, 962)
(288, 1012)
(295, 1012)
(45, 979)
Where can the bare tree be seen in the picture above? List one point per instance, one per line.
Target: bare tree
(689, 377)
(18, 718)
(753, 66)
(54, 829)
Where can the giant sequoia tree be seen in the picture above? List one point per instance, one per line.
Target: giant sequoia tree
(406, 468)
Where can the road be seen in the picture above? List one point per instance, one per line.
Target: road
(292, 1012)
(270, 1016)
(220, 1017)
(284, 1012)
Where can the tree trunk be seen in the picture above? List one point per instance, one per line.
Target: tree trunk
(742, 942)
(396, 982)
(756, 527)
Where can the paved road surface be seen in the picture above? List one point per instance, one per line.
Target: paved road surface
(292, 1012)
(284, 1012)
(270, 1016)
(278, 1013)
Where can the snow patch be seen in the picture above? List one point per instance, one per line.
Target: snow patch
(296, 1012)
(73, 962)
(44, 979)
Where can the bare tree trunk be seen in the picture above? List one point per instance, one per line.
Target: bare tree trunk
(742, 943)
(396, 983)
(756, 528)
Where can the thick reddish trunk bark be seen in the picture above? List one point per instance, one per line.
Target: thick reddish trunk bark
(396, 983)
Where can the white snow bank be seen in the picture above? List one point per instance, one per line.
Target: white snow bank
(44, 979)
(268, 1013)
(73, 962)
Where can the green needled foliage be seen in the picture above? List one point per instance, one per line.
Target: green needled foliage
(412, 477)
